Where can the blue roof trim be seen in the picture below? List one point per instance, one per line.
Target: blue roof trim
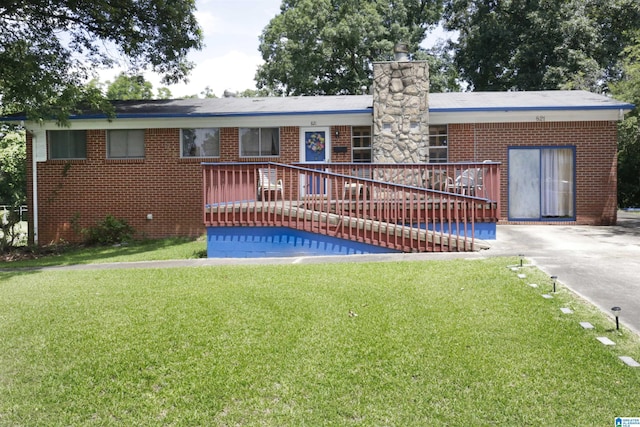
(208, 115)
(13, 119)
(368, 110)
(532, 108)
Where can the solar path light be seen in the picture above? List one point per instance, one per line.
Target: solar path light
(616, 312)
(555, 279)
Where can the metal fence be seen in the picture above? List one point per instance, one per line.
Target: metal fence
(22, 211)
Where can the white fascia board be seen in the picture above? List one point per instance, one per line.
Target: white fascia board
(459, 117)
(219, 122)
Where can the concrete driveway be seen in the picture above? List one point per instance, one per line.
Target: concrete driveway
(602, 264)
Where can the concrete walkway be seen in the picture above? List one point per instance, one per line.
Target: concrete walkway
(602, 264)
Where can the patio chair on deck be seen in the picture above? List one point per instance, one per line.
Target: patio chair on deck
(467, 181)
(470, 181)
(268, 181)
(356, 189)
(441, 181)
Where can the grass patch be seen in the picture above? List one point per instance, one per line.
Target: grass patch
(144, 250)
(413, 344)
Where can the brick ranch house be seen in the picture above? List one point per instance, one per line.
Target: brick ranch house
(144, 165)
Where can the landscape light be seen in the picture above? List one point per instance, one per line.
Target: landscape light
(554, 278)
(616, 312)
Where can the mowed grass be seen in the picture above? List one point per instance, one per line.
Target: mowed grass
(372, 344)
(135, 251)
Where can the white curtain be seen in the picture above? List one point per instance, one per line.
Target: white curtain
(524, 183)
(557, 182)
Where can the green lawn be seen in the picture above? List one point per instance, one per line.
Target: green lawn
(147, 250)
(399, 344)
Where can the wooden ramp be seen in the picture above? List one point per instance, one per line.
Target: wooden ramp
(380, 233)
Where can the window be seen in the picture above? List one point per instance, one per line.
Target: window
(125, 144)
(438, 144)
(201, 142)
(361, 144)
(259, 142)
(541, 183)
(67, 144)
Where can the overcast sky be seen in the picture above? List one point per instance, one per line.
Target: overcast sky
(230, 57)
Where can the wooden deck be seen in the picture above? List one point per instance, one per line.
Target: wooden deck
(388, 214)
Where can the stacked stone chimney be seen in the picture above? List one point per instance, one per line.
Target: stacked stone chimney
(400, 110)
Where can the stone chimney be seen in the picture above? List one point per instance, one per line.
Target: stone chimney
(400, 109)
(401, 52)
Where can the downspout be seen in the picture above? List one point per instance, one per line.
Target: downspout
(34, 175)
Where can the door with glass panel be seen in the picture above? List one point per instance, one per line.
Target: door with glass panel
(541, 183)
(315, 149)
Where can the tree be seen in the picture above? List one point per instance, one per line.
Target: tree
(13, 183)
(208, 93)
(164, 93)
(48, 49)
(318, 47)
(126, 87)
(540, 44)
(255, 93)
(628, 89)
(443, 74)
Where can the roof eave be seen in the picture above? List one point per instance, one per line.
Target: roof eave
(222, 114)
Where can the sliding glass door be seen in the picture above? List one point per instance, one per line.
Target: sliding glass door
(541, 183)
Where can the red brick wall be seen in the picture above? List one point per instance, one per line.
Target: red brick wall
(596, 148)
(77, 194)
(342, 140)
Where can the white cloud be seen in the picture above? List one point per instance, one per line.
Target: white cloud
(230, 57)
(234, 70)
(209, 23)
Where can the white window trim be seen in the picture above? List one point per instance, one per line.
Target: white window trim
(50, 151)
(362, 149)
(439, 147)
(260, 143)
(108, 145)
(182, 156)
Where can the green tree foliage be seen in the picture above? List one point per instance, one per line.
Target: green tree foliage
(255, 93)
(628, 89)
(164, 93)
(443, 75)
(208, 93)
(540, 44)
(318, 47)
(48, 49)
(13, 182)
(126, 87)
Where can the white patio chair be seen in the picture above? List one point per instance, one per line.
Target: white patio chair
(441, 181)
(268, 181)
(353, 189)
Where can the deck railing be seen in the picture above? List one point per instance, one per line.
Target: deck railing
(468, 178)
(404, 207)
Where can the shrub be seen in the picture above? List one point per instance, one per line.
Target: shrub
(109, 231)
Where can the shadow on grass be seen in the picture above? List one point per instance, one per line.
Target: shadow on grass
(34, 259)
